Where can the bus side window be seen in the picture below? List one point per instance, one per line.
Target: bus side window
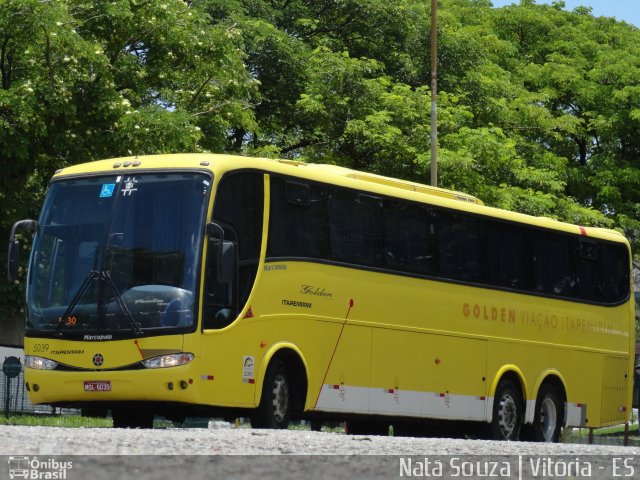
(297, 223)
(554, 264)
(508, 257)
(239, 210)
(356, 228)
(615, 267)
(461, 247)
(409, 243)
(590, 280)
(603, 272)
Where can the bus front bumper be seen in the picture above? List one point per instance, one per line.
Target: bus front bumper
(177, 384)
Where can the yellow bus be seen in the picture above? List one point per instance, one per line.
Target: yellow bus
(217, 285)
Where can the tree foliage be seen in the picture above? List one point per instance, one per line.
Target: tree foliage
(539, 107)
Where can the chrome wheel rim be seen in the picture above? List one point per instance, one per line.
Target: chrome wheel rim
(507, 415)
(548, 419)
(280, 398)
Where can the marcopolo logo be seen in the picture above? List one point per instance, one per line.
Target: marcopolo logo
(93, 338)
(36, 469)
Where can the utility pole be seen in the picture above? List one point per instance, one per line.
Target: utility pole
(434, 93)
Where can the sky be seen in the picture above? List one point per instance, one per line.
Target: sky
(626, 10)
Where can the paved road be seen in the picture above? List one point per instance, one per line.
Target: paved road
(231, 453)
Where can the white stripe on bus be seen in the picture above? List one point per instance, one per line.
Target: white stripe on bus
(408, 403)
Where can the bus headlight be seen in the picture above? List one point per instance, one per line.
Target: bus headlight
(39, 363)
(171, 360)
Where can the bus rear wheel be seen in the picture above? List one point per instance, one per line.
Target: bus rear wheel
(275, 405)
(549, 415)
(508, 412)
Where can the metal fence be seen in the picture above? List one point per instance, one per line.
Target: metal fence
(18, 401)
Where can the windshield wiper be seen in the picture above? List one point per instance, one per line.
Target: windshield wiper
(103, 277)
(135, 325)
(92, 275)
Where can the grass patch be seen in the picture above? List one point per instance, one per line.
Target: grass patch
(72, 421)
(604, 432)
(604, 436)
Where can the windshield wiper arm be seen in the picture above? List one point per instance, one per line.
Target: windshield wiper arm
(135, 325)
(103, 276)
(92, 275)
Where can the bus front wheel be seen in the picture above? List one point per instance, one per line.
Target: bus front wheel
(508, 412)
(275, 405)
(549, 415)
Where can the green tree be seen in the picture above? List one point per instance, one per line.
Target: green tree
(88, 79)
(538, 112)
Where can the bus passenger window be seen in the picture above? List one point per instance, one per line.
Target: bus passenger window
(461, 241)
(615, 266)
(355, 228)
(297, 222)
(409, 244)
(508, 257)
(603, 273)
(553, 264)
(589, 271)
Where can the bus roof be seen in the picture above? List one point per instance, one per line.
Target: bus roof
(332, 174)
(396, 183)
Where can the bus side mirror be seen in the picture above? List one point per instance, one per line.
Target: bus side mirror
(13, 260)
(226, 254)
(13, 256)
(227, 262)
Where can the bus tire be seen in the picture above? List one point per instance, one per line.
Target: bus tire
(549, 415)
(275, 404)
(508, 412)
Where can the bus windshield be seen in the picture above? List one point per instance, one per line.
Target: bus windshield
(117, 255)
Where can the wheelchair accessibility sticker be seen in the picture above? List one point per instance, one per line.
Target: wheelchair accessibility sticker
(107, 190)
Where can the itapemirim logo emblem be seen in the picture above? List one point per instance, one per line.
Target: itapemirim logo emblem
(34, 469)
(98, 359)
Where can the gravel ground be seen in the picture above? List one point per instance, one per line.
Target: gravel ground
(16, 440)
(230, 453)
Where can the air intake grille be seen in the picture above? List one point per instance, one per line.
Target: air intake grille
(614, 390)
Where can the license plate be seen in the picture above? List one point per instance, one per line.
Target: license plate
(97, 386)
